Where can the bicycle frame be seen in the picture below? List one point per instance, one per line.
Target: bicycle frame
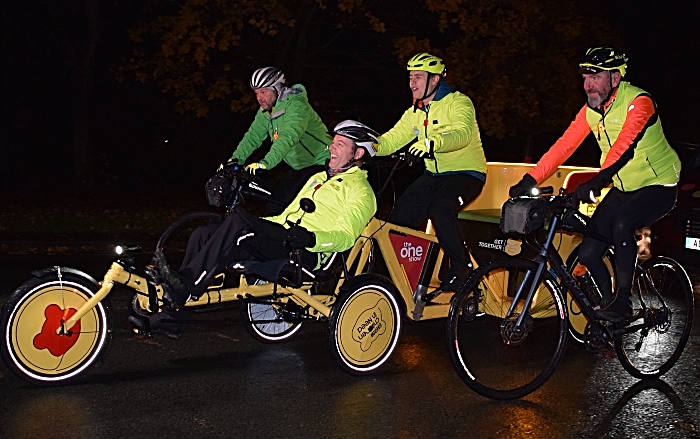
(549, 255)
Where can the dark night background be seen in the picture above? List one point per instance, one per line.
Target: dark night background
(140, 147)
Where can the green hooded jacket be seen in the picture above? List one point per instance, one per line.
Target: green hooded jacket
(298, 135)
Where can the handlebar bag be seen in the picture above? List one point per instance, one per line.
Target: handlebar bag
(524, 215)
(219, 188)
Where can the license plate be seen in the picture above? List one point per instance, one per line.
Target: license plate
(692, 243)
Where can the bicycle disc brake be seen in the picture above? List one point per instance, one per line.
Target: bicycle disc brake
(514, 334)
(470, 308)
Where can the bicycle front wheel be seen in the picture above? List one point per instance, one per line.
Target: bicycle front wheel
(494, 354)
(665, 295)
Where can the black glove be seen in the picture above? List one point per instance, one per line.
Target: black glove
(524, 186)
(582, 193)
(298, 237)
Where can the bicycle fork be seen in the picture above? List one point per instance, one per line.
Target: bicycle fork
(526, 290)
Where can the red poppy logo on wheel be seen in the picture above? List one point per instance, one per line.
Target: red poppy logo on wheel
(57, 344)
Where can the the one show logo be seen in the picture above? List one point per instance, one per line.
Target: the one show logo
(411, 252)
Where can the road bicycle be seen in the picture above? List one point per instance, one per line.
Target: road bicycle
(507, 326)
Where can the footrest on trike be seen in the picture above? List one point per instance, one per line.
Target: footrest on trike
(140, 326)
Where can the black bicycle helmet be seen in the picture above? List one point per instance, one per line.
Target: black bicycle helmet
(598, 59)
(363, 136)
(267, 77)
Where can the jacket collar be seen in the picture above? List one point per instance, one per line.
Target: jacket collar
(443, 89)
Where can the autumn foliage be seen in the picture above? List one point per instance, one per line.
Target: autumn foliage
(515, 59)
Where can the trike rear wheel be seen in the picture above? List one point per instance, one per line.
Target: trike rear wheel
(31, 346)
(266, 322)
(496, 356)
(365, 324)
(651, 351)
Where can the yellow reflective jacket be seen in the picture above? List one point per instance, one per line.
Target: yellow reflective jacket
(345, 203)
(449, 120)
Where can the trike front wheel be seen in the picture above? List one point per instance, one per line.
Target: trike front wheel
(501, 356)
(33, 348)
(365, 324)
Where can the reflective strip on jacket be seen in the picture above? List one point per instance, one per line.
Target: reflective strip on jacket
(298, 135)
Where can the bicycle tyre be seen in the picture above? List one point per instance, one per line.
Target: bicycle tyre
(30, 347)
(265, 323)
(578, 320)
(651, 352)
(488, 352)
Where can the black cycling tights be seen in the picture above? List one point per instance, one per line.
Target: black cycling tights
(618, 217)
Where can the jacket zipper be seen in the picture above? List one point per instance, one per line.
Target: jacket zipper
(307, 149)
(425, 129)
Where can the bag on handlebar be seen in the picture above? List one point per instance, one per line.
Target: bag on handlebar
(219, 188)
(524, 215)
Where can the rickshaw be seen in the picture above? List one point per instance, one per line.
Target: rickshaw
(59, 323)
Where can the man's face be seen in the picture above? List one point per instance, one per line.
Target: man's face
(597, 86)
(342, 151)
(417, 80)
(266, 98)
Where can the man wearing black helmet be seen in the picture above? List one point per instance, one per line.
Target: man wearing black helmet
(636, 158)
(344, 204)
(441, 124)
(299, 137)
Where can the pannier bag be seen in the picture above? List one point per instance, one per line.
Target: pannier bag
(219, 188)
(524, 215)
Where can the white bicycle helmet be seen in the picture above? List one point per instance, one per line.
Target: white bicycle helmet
(267, 77)
(363, 136)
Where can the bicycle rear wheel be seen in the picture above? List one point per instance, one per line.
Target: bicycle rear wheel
(493, 355)
(653, 349)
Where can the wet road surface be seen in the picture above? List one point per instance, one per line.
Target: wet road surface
(216, 381)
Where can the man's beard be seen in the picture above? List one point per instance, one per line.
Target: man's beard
(599, 98)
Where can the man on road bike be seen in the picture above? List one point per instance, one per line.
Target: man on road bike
(636, 158)
(442, 124)
(344, 204)
(298, 135)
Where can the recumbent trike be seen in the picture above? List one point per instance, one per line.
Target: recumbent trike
(58, 324)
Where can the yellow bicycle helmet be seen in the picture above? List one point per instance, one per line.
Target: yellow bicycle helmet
(428, 63)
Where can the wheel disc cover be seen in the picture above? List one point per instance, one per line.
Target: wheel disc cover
(366, 327)
(36, 347)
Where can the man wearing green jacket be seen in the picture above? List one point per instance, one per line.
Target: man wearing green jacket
(441, 125)
(299, 137)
